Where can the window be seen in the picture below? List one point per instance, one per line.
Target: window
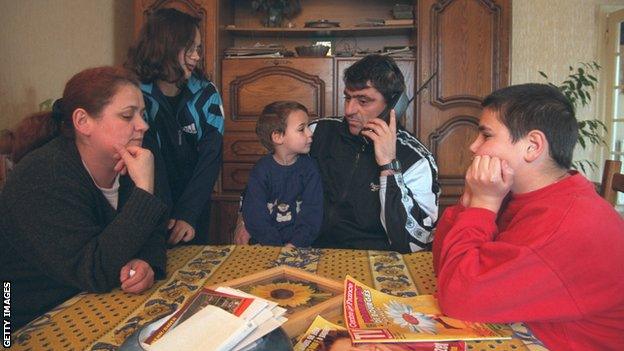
(614, 74)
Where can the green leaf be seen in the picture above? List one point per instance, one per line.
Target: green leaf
(578, 88)
(604, 126)
(584, 81)
(580, 164)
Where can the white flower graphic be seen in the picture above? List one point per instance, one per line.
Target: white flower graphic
(405, 316)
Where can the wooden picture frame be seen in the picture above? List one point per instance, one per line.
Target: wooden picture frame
(277, 284)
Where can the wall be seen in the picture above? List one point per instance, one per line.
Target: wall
(550, 35)
(44, 42)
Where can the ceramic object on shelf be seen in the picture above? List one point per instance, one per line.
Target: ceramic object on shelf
(322, 23)
(312, 50)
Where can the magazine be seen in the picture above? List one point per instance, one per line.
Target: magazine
(235, 305)
(324, 335)
(372, 316)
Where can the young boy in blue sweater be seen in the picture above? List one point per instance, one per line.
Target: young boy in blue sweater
(283, 202)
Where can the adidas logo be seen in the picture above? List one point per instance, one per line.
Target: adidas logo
(190, 129)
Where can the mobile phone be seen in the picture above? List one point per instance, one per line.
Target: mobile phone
(399, 103)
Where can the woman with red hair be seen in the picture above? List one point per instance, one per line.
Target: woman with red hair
(79, 212)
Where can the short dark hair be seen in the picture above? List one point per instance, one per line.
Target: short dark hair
(273, 119)
(382, 73)
(155, 54)
(526, 107)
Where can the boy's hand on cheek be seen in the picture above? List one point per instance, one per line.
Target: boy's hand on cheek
(490, 180)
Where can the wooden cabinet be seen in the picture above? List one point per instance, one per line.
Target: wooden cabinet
(465, 41)
(249, 84)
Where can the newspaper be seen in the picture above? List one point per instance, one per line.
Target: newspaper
(251, 318)
(235, 305)
(211, 328)
(270, 318)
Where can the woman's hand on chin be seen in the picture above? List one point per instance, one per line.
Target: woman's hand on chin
(139, 164)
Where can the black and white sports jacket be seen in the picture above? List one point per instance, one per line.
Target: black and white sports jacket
(363, 210)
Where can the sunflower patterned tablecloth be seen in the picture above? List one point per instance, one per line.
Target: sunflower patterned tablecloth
(103, 321)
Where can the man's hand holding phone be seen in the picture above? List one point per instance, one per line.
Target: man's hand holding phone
(383, 137)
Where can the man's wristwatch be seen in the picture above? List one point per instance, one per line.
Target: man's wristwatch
(394, 166)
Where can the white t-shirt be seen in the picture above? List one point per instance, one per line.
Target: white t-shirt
(111, 194)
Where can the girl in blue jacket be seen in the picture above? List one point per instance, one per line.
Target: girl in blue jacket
(185, 115)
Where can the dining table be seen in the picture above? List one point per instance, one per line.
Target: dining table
(90, 321)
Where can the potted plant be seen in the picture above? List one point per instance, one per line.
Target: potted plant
(275, 11)
(578, 87)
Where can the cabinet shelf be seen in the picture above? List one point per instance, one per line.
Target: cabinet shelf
(319, 32)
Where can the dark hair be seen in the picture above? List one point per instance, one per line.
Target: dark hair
(155, 54)
(331, 337)
(526, 107)
(91, 90)
(382, 73)
(273, 119)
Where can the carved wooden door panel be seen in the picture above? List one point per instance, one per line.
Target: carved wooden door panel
(467, 43)
(251, 84)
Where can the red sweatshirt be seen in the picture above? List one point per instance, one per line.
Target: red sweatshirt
(554, 259)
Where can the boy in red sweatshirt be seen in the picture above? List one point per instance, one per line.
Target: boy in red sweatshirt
(530, 240)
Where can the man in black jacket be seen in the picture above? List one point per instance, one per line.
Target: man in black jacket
(380, 183)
